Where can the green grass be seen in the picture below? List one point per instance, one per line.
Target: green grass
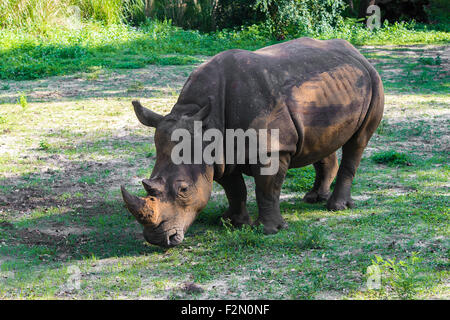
(61, 51)
(392, 158)
(64, 157)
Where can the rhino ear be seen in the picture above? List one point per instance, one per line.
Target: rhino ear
(203, 112)
(146, 116)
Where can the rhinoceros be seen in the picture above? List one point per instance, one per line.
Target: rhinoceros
(321, 95)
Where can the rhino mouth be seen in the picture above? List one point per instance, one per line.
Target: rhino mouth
(165, 238)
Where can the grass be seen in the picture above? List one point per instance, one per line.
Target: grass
(32, 54)
(64, 156)
(44, 15)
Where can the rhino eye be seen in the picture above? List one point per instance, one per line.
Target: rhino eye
(183, 188)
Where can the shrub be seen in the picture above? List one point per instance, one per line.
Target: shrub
(438, 11)
(290, 17)
(188, 14)
(232, 13)
(391, 158)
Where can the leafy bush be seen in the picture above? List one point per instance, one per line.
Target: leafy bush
(290, 17)
(232, 13)
(189, 14)
(438, 11)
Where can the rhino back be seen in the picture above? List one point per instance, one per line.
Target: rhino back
(315, 92)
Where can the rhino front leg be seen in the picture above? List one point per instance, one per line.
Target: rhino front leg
(268, 188)
(236, 192)
(326, 170)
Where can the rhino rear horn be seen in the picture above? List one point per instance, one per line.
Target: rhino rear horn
(152, 186)
(146, 116)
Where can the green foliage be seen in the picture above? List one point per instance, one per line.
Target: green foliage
(44, 145)
(22, 101)
(189, 14)
(43, 15)
(64, 51)
(233, 13)
(112, 11)
(238, 239)
(300, 179)
(35, 52)
(26, 13)
(438, 11)
(383, 127)
(309, 237)
(399, 278)
(3, 119)
(430, 61)
(290, 17)
(109, 12)
(391, 158)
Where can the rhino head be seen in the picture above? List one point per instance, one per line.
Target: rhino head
(176, 193)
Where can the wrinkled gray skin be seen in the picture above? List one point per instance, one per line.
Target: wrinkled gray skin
(321, 95)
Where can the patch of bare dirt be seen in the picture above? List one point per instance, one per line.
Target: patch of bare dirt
(34, 237)
(149, 81)
(190, 288)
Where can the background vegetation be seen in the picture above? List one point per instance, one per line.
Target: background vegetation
(44, 38)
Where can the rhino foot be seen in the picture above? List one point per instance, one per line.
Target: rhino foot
(336, 205)
(314, 197)
(237, 219)
(271, 226)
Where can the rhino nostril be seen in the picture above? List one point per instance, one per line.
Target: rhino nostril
(175, 239)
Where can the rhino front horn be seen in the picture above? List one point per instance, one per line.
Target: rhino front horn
(143, 209)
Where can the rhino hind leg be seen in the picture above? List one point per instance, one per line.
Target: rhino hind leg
(352, 152)
(236, 192)
(341, 199)
(326, 170)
